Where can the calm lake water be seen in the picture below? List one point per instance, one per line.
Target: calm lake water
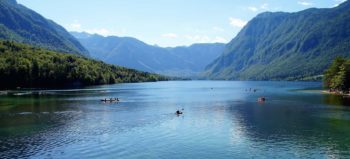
(222, 119)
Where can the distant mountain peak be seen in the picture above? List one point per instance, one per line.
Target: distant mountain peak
(133, 53)
(81, 35)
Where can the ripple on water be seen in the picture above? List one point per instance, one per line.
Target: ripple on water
(41, 140)
(219, 123)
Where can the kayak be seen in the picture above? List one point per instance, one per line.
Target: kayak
(109, 100)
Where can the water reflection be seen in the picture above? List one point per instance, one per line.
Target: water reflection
(221, 120)
(338, 100)
(311, 130)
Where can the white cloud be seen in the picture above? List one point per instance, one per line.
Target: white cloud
(219, 40)
(235, 22)
(169, 35)
(218, 29)
(74, 26)
(205, 39)
(253, 9)
(304, 3)
(198, 38)
(264, 6)
(102, 31)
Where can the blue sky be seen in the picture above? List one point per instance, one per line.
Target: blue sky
(165, 22)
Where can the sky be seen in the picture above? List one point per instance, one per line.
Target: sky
(165, 23)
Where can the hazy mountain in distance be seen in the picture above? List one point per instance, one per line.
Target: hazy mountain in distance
(133, 53)
(200, 54)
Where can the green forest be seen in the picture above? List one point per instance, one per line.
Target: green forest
(22, 65)
(337, 76)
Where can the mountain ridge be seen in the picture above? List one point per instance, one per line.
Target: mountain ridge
(21, 24)
(285, 46)
(133, 53)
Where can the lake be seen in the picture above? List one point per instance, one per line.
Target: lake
(221, 119)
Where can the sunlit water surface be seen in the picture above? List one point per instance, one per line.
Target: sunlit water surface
(222, 119)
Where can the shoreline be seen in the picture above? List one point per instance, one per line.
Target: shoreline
(334, 93)
(323, 91)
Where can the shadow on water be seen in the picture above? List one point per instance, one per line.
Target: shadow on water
(338, 100)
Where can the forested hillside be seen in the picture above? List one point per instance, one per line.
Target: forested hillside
(286, 46)
(22, 65)
(24, 25)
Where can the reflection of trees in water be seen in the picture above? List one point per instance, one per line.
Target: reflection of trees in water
(302, 127)
(337, 100)
(26, 112)
(25, 121)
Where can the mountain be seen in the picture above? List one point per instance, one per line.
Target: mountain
(285, 46)
(21, 24)
(133, 53)
(23, 65)
(200, 55)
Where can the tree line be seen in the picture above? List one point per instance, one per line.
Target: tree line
(337, 76)
(23, 65)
